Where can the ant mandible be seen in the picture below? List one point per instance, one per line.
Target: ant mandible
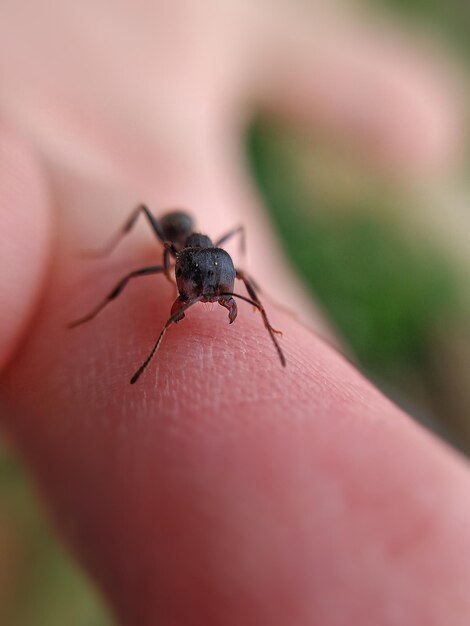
(204, 273)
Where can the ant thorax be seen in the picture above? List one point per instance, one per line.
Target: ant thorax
(198, 240)
(206, 272)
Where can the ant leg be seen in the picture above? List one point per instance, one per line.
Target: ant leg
(126, 228)
(157, 269)
(177, 313)
(267, 325)
(168, 249)
(232, 233)
(252, 287)
(256, 302)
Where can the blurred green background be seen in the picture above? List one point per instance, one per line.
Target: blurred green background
(397, 296)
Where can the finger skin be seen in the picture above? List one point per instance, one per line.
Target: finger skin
(25, 235)
(223, 488)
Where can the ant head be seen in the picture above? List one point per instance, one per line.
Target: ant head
(204, 272)
(176, 226)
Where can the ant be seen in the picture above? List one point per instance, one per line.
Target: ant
(204, 273)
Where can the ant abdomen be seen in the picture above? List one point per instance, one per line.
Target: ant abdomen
(176, 226)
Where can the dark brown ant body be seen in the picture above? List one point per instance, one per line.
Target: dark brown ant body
(204, 272)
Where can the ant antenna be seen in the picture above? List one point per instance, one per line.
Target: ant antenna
(272, 331)
(174, 318)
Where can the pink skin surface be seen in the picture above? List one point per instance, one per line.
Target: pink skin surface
(25, 238)
(221, 488)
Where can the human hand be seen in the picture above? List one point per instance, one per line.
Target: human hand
(221, 488)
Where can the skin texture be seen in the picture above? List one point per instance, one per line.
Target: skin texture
(27, 227)
(221, 488)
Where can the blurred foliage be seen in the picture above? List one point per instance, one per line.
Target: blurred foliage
(383, 294)
(450, 19)
(39, 584)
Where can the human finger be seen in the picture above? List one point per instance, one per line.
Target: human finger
(25, 236)
(224, 488)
